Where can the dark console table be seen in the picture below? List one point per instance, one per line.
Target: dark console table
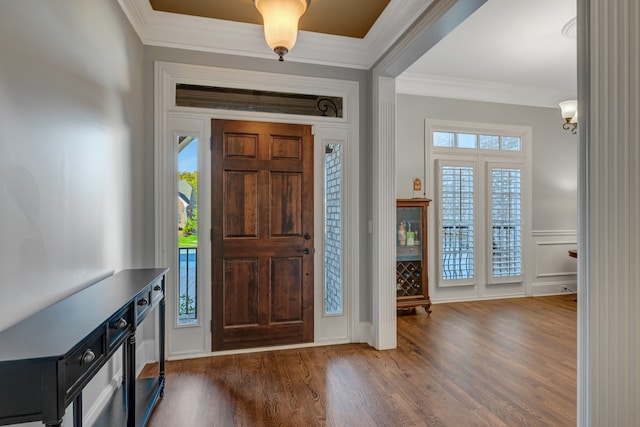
(47, 359)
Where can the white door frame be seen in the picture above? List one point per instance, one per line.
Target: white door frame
(171, 120)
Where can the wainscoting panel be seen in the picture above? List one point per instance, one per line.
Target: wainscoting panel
(554, 271)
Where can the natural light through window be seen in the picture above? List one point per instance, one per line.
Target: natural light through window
(479, 207)
(470, 141)
(333, 230)
(506, 219)
(187, 202)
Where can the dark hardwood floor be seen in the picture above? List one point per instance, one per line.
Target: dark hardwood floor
(492, 363)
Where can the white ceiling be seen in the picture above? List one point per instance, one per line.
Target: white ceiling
(510, 51)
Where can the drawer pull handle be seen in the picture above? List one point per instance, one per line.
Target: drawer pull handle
(157, 288)
(121, 324)
(143, 302)
(87, 357)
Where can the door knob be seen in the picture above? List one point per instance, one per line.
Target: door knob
(307, 236)
(306, 251)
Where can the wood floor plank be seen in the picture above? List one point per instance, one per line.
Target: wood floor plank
(500, 363)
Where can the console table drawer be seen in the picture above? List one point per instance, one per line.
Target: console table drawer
(84, 360)
(118, 325)
(156, 293)
(148, 299)
(143, 305)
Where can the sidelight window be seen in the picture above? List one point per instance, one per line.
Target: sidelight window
(333, 292)
(187, 203)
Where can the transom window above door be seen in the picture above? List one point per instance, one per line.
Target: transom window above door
(224, 98)
(477, 141)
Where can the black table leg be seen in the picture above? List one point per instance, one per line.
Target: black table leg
(77, 411)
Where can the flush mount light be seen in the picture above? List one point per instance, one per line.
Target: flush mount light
(570, 115)
(281, 22)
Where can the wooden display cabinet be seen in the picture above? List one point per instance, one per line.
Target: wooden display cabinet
(412, 283)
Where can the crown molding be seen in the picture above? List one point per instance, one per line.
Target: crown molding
(476, 90)
(214, 35)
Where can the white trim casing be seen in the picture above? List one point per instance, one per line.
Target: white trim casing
(167, 75)
(384, 216)
(336, 328)
(482, 287)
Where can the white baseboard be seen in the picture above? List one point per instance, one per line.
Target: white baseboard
(472, 299)
(539, 289)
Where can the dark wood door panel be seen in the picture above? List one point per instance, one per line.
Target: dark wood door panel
(241, 212)
(240, 146)
(286, 281)
(262, 209)
(241, 293)
(286, 204)
(286, 148)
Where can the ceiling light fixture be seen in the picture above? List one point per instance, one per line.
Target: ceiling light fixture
(280, 19)
(570, 115)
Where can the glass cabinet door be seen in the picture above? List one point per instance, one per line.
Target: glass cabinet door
(412, 288)
(409, 234)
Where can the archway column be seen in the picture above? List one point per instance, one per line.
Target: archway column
(384, 214)
(440, 18)
(609, 198)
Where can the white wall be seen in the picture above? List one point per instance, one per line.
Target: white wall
(554, 178)
(71, 120)
(71, 172)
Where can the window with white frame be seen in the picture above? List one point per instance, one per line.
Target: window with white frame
(506, 219)
(479, 173)
(457, 228)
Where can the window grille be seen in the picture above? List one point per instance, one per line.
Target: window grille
(257, 100)
(333, 292)
(470, 141)
(187, 230)
(457, 213)
(505, 222)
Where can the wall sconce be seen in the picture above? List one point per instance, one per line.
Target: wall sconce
(280, 19)
(570, 115)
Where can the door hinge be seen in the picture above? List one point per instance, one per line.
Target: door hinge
(211, 234)
(211, 325)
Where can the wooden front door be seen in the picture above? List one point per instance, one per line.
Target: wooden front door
(262, 234)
